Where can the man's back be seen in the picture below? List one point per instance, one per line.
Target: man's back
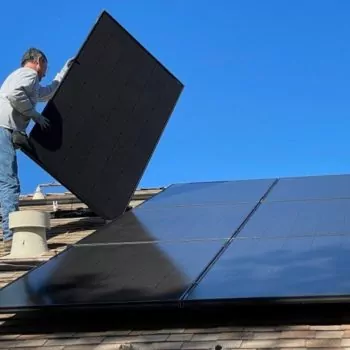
(18, 93)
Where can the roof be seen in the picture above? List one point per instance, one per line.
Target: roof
(72, 222)
(288, 329)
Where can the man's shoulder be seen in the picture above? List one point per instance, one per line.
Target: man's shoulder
(20, 77)
(25, 72)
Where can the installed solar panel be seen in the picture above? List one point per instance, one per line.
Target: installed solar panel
(106, 119)
(173, 224)
(312, 187)
(204, 193)
(299, 218)
(112, 274)
(300, 268)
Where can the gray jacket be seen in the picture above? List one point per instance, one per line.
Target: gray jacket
(19, 95)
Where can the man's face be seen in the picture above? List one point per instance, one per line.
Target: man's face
(41, 68)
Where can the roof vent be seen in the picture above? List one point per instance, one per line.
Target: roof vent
(38, 194)
(29, 233)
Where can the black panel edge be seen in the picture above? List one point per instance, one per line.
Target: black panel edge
(227, 244)
(118, 306)
(203, 304)
(265, 301)
(191, 315)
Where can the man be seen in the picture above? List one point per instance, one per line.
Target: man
(18, 97)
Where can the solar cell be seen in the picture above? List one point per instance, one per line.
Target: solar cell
(106, 119)
(282, 269)
(111, 274)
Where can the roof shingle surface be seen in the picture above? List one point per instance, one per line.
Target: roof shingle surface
(280, 337)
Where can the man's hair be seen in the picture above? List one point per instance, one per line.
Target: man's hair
(31, 55)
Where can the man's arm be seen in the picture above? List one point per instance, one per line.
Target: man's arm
(46, 92)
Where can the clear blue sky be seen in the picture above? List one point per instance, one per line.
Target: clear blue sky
(266, 82)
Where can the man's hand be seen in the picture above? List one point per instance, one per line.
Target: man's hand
(43, 122)
(59, 76)
(20, 140)
(67, 65)
(70, 62)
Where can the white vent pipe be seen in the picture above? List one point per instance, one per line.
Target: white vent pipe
(29, 233)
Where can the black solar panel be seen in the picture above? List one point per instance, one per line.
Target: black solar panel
(299, 218)
(173, 224)
(204, 193)
(106, 119)
(297, 268)
(311, 187)
(112, 274)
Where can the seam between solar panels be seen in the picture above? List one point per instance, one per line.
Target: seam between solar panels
(306, 235)
(155, 242)
(320, 199)
(226, 245)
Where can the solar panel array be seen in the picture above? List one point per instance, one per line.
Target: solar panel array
(106, 119)
(257, 240)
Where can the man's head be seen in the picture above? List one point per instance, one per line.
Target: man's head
(36, 60)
